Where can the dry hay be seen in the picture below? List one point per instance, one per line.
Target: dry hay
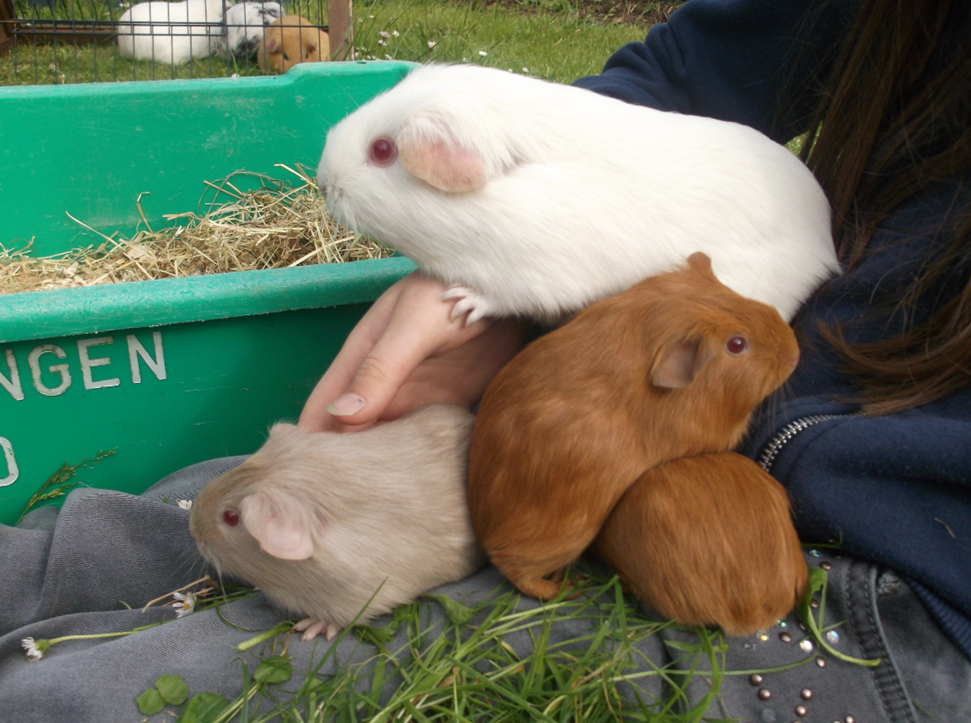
(278, 225)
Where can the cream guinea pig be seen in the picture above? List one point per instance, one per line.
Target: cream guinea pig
(322, 522)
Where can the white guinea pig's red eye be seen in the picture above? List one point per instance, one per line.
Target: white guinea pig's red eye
(382, 152)
(231, 517)
(736, 345)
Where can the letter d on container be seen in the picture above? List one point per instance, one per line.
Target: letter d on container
(12, 472)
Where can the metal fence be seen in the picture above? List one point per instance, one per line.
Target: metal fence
(77, 41)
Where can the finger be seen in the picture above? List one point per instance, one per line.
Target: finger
(339, 375)
(414, 333)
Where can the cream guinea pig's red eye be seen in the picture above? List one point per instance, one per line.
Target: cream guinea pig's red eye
(382, 152)
(736, 345)
(231, 517)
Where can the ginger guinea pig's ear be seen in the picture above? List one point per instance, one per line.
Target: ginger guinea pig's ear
(699, 261)
(679, 363)
(280, 523)
(271, 44)
(429, 152)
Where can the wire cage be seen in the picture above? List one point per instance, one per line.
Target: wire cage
(76, 41)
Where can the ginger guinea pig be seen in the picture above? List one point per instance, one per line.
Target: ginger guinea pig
(707, 540)
(290, 40)
(534, 198)
(323, 522)
(670, 368)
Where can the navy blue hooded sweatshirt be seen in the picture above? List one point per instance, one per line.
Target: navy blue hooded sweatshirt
(893, 489)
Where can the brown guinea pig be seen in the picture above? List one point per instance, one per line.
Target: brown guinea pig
(672, 367)
(707, 540)
(290, 40)
(329, 524)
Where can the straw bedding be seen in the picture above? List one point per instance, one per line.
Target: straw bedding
(279, 224)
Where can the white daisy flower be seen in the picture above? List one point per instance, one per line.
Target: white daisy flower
(384, 34)
(483, 53)
(186, 604)
(35, 649)
(432, 43)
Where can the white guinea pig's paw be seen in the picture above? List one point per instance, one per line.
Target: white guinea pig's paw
(470, 302)
(311, 628)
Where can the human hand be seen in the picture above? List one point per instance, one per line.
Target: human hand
(407, 351)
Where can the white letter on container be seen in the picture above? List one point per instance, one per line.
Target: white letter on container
(135, 350)
(12, 472)
(12, 384)
(34, 362)
(87, 363)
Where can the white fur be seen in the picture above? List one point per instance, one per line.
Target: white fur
(171, 33)
(584, 195)
(244, 26)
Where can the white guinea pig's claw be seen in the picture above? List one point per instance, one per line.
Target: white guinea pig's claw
(312, 628)
(467, 302)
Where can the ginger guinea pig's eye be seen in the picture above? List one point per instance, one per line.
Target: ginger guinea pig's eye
(382, 152)
(231, 517)
(737, 345)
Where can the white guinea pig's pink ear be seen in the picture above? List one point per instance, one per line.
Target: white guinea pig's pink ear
(430, 153)
(279, 522)
(679, 363)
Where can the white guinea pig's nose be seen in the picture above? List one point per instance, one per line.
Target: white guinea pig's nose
(322, 182)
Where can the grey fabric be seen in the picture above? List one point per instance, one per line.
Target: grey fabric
(69, 573)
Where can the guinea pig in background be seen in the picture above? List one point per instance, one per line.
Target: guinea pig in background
(670, 368)
(322, 522)
(707, 540)
(292, 40)
(171, 33)
(244, 26)
(534, 199)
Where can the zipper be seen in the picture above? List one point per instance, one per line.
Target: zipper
(785, 435)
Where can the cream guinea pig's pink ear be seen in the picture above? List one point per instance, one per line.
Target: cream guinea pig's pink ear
(279, 522)
(428, 152)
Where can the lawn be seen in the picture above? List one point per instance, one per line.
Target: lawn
(554, 40)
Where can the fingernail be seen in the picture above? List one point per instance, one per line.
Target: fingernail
(346, 405)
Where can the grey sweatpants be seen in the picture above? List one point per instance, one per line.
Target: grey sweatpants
(89, 568)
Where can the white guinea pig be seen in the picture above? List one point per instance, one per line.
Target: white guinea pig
(533, 198)
(244, 26)
(171, 33)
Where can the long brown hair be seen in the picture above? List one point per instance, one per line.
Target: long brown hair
(895, 118)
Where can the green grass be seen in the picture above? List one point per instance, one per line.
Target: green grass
(463, 669)
(498, 661)
(555, 45)
(552, 41)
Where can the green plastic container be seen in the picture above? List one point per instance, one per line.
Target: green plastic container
(165, 373)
